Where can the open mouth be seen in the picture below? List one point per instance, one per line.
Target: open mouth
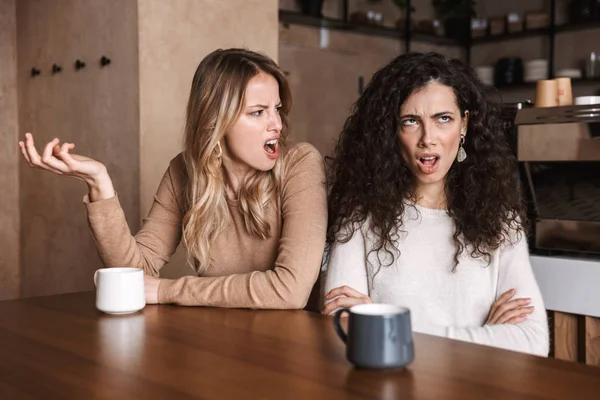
(272, 148)
(428, 164)
(429, 161)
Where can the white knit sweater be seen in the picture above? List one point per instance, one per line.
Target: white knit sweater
(442, 302)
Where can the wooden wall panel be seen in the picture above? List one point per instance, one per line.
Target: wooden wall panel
(565, 336)
(96, 108)
(324, 85)
(9, 154)
(592, 341)
(575, 338)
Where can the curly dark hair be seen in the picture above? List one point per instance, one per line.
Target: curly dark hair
(368, 177)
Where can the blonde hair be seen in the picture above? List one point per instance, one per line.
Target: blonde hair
(216, 101)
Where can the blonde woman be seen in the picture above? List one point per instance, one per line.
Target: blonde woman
(251, 212)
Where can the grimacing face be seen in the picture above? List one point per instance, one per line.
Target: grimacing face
(253, 141)
(430, 130)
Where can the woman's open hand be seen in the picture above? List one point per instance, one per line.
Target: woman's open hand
(56, 157)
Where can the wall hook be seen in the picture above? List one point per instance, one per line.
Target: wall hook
(56, 68)
(104, 61)
(79, 64)
(35, 72)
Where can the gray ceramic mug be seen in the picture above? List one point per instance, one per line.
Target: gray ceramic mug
(379, 335)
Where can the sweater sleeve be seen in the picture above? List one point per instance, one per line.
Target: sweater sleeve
(289, 283)
(530, 336)
(347, 265)
(152, 247)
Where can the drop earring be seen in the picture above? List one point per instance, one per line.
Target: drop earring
(462, 154)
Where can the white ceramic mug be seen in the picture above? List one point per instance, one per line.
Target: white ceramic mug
(120, 290)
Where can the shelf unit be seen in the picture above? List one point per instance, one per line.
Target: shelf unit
(572, 27)
(296, 18)
(408, 36)
(527, 85)
(550, 32)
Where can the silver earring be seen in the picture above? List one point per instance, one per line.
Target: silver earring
(462, 154)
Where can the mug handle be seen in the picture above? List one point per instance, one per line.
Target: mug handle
(336, 323)
(96, 278)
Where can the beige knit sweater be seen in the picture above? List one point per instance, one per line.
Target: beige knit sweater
(245, 271)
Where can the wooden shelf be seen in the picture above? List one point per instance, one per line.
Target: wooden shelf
(441, 40)
(578, 26)
(528, 85)
(536, 32)
(510, 36)
(295, 18)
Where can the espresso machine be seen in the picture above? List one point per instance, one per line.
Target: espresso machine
(558, 149)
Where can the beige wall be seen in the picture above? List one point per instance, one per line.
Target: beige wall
(96, 108)
(324, 81)
(174, 36)
(9, 155)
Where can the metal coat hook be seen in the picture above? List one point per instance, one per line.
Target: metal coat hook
(56, 68)
(104, 61)
(35, 72)
(79, 64)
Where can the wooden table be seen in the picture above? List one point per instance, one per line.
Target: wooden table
(61, 347)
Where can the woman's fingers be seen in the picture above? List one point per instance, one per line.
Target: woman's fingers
(511, 305)
(55, 157)
(507, 307)
(505, 297)
(33, 157)
(516, 313)
(344, 296)
(344, 291)
(24, 152)
(50, 162)
(64, 155)
(32, 153)
(344, 302)
(47, 153)
(518, 319)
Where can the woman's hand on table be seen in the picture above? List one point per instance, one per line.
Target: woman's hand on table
(344, 297)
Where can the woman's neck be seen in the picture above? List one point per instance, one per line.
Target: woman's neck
(234, 176)
(432, 195)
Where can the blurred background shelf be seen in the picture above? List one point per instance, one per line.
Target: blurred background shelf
(295, 18)
(509, 36)
(536, 32)
(580, 26)
(527, 85)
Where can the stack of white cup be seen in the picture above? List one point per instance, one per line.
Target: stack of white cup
(572, 73)
(536, 70)
(485, 74)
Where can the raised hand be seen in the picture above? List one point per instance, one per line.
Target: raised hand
(56, 157)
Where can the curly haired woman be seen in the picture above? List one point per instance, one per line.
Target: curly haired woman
(425, 209)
